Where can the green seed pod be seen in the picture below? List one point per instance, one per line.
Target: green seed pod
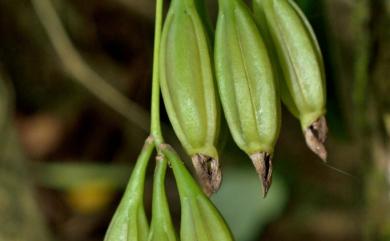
(129, 222)
(296, 51)
(187, 85)
(161, 228)
(200, 220)
(247, 87)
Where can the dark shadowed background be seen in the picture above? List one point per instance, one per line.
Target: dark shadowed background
(75, 78)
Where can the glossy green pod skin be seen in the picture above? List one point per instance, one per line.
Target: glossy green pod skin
(297, 54)
(129, 222)
(187, 85)
(200, 220)
(247, 88)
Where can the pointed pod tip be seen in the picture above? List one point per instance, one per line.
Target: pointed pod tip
(315, 136)
(208, 172)
(263, 164)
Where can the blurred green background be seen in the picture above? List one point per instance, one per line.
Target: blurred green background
(74, 97)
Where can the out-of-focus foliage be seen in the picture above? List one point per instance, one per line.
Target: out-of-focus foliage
(21, 218)
(240, 203)
(55, 118)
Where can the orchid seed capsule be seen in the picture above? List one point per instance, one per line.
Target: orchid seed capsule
(302, 80)
(187, 85)
(247, 88)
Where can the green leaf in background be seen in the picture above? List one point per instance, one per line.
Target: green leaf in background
(89, 187)
(241, 205)
(65, 175)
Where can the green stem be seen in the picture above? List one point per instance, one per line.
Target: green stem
(135, 186)
(155, 126)
(187, 186)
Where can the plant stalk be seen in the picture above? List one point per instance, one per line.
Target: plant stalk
(155, 126)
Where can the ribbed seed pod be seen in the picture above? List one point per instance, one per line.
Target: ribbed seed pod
(297, 52)
(200, 220)
(187, 85)
(247, 87)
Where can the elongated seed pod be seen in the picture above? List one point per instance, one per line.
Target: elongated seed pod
(302, 80)
(187, 85)
(247, 87)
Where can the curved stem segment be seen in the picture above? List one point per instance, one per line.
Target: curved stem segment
(187, 186)
(155, 115)
(76, 67)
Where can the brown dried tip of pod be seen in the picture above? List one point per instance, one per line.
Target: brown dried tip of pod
(208, 172)
(315, 136)
(263, 164)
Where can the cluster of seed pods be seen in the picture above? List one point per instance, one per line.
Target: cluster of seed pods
(258, 59)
